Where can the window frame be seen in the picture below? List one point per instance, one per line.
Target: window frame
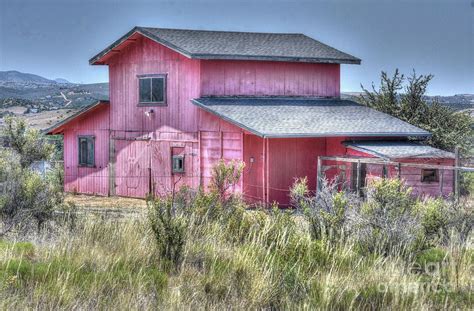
(183, 169)
(87, 137)
(436, 176)
(163, 76)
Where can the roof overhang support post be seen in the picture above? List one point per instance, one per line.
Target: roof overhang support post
(264, 181)
(267, 164)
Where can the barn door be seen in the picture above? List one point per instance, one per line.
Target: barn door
(164, 179)
(132, 168)
(143, 167)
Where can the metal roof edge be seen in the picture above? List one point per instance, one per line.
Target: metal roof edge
(51, 129)
(205, 56)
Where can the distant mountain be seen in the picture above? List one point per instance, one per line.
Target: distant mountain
(14, 76)
(62, 81)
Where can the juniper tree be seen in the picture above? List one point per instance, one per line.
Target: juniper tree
(405, 98)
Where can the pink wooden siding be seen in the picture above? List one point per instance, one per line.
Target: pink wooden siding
(277, 162)
(147, 57)
(89, 180)
(251, 78)
(218, 140)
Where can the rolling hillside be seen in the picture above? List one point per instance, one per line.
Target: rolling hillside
(43, 101)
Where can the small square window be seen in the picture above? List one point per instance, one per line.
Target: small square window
(178, 164)
(429, 175)
(152, 90)
(86, 151)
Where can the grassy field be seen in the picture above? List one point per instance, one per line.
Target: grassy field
(255, 259)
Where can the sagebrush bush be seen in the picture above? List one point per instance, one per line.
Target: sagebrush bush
(435, 220)
(328, 212)
(169, 230)
(28, 197)
(225, 175)
(387, 221)
(443, 220)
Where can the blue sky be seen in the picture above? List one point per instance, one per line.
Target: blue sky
(56, 38)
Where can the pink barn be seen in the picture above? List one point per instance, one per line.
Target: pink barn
(180, 100)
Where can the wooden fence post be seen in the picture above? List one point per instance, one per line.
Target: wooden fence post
(441, 182)
(111, 166)
(358, 178)
(456, 174)
(318, 175)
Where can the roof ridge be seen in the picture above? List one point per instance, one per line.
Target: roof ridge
(258, 46)
(226, 31)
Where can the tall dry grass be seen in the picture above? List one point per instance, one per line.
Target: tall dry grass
(267, 261)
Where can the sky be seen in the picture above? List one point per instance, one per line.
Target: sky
(56, 38)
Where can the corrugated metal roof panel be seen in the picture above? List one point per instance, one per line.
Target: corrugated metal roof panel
(399, 149)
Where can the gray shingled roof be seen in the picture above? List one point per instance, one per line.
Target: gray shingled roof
(205, 44)
(297, 117)
(399, 149)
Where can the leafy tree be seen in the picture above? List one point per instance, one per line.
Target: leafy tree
(27, 197)
(405, 99)
(26, 142)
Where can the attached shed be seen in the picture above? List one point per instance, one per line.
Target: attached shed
(425, 181)
(283, 137)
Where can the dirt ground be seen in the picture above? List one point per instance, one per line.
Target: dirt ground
(89, 201)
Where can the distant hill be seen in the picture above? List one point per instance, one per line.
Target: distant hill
(38, 94)
(457, 102)
(14, 76)
(62, 81)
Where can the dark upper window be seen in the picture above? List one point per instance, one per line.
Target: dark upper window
(152, 90)
(429, 175)
(86, 151)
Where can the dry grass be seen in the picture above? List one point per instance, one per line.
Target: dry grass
(269, 263)
(89, 201)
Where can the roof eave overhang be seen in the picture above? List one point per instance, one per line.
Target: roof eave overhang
(353, 61)
(387, 157)
(96, 60)
(59, 127)
(346, 134)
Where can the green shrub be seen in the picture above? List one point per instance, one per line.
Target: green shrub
(169, 230)
(225, 175)
(430, 256)
(387, 221)
(434, 215)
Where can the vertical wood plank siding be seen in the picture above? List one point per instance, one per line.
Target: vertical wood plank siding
(89, 180)
(251, 78)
